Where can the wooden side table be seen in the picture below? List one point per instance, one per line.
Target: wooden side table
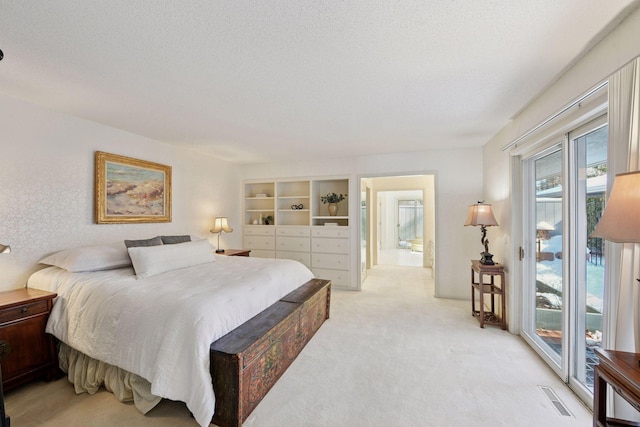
(488, 317)
(23, 318)
(235, 252)
(621, 371)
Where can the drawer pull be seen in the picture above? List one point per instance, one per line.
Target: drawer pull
(24, 310)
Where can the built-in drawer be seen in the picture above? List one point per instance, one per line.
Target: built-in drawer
(257, 253)
(332, 261)
(337, 277)
(301, 257)
(299, 244)
(330, 232)
(329, 245)
(259, 230)
(293, 231)
(260, 242)
(22, 311)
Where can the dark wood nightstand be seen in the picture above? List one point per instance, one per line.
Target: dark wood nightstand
(235, 252)
(23, 318)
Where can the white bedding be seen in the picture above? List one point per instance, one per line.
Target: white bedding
(161, 327)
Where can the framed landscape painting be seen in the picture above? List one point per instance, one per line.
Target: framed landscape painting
(129, 190)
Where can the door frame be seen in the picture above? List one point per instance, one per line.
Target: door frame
(529, 263)
(522, 222)
(371, 207)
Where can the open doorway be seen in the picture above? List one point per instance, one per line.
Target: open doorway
(401, 228)
(397, 221)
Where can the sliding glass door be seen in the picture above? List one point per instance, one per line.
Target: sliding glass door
(563, 198)
(545, 323)
(590, 147)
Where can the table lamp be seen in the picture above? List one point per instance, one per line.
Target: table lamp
(620, 221)
(221, 224)
(482, 215)
(542, 233)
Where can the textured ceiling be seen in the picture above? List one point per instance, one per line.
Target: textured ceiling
(249, 81)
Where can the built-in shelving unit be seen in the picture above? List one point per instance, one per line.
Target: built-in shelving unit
(294, 202)
(293, 199)
(259, 202)
(320, 215)
(300, 226)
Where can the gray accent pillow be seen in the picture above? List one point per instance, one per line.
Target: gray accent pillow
(144, 242)
(170, 240)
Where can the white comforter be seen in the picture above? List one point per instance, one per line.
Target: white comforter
(161, 327)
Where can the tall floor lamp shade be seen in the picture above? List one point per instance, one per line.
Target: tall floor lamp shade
(4, 249)
(221, 224)
(481, 215)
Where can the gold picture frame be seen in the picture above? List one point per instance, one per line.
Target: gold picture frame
(129, 190)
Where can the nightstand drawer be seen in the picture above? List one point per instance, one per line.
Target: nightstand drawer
(22, 311)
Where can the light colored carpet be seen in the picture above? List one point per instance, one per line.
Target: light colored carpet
(391, 355)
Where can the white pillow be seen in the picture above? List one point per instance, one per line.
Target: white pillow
(90, 258)
(151, 260)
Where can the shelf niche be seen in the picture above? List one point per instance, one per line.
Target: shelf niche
(320, 214)
(259, 202)
(294, 202)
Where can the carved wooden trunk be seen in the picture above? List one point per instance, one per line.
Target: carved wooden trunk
(247, 362)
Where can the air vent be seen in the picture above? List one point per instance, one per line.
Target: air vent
(555, 401)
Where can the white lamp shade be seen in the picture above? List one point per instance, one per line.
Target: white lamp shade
(480, 214)
(544, 226)
(620, 221)
(221, 224)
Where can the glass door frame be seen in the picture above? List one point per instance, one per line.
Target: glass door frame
(557, 363)
(577, 264)
(573, 226)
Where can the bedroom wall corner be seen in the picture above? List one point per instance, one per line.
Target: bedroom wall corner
(47, 185)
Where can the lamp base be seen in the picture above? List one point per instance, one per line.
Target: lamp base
(487, 258)
(219, 251)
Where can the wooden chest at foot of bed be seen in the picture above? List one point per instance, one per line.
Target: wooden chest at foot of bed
(247, 362)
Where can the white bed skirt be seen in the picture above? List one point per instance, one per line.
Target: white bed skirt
(87, 375)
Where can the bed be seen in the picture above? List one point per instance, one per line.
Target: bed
(151, 330)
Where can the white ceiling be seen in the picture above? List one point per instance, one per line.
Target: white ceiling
(259, 81)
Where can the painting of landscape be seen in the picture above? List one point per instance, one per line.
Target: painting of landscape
(134, 191)
(131, 190)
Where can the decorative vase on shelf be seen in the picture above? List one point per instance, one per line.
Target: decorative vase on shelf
(333, 199)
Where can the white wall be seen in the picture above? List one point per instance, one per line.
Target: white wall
(458, 184)
(47, 185)
(614, 51)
